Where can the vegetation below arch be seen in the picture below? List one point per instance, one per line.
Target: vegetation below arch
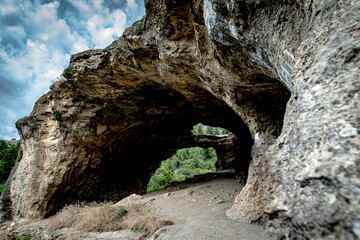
(187, 162)
(8, 155)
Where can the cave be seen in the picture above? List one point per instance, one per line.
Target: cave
(125, 110)
(112, 144)
(147, 125)
(130, 148)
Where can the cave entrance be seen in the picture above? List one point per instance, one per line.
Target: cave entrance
(185, 163)
(189, 162)
(162, 125)
(148, 123)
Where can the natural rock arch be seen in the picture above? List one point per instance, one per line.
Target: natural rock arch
(107, 148)
(115, 128)
(208, 57)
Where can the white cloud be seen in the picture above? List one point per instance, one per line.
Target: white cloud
(35, 46)
(8, 130)
(46, 65)
(18, 67)
(102, 27)
(97, 4)
(103, 24)
(132, 4)
(119, 21)
(81, 5)
(18, 31)
(7, 9)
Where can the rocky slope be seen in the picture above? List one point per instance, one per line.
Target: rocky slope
(282, 75)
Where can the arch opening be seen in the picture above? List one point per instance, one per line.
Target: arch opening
(191, 162)
(184, 164)
(146, 125)
(134, 134)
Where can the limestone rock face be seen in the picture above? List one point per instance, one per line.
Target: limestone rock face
(231, 153)
(282, 75)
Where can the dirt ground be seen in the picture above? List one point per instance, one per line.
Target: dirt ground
(197, 209)
(198, 212)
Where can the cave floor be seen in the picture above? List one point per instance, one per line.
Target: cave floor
(196, 209)
(199, 212)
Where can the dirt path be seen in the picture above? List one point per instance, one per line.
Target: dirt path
(198, 212)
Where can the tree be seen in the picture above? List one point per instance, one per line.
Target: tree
(185, 163)
(203, 129)
(8, 157)
(3, 145)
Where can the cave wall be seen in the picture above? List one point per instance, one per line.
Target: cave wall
(103, 147)
(241, 65)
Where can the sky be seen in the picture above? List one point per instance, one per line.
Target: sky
(37, 38)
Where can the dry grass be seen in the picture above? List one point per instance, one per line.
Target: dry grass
(105, 218)
(140, 218)
(89, 218)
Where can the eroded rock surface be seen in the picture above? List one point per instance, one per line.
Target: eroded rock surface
(232, 154)
(224, 63)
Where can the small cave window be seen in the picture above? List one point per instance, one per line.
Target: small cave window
(188, 162)
(200, 129)
(185, 163)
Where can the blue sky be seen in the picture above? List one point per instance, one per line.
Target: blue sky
(37, 38)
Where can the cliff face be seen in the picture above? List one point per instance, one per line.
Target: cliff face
(282, 75)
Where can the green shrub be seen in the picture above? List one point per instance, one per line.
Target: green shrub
(138, 27)
(122, 212)
(119, 46)
(57, 115)
(8, 155)
(27, 237)
(209, 130)
(67, 70)
(186, 163)
(2, 186)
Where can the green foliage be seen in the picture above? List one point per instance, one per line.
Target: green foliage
(119, 46)
(186, 163)
(27, 237)
(8, 155)
(3, 145)
(209, 130)
(2, 186)
(122, 212)
(57, 115)
(138, 27)
(66, 70)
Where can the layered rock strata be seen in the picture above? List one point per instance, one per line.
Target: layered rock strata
(284, 74)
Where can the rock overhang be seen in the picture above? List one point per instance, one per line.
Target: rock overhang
(141, 93)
